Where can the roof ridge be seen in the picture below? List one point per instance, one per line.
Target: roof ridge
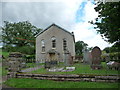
(53, 24)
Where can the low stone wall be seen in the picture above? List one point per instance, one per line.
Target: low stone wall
(89, 78)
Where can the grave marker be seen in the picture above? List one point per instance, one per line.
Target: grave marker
(96, 58)
(86, 56)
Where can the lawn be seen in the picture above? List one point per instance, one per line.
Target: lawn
(5, 54)
(3, 71)
(81, 69)
(33, 83)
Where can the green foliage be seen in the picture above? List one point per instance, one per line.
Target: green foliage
(107, 49)
(3, 71)
(19, 35)
(115, 56)
(16, 33)
(26, 50)
(29, 58)
(113, 49)
(33, 83)
(108, 20)
(79, 45)
(5, 54)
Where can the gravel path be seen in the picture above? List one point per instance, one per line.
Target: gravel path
(31, 69)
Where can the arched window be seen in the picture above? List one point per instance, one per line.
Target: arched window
(64, 44)
(53, 42)
(43, 45)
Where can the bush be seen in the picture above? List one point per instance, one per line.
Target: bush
(27, 50)
(29, 58)
(115, 56)
(111, 56)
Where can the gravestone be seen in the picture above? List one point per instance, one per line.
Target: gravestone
(86, 56)
(67, 58)
(96, 58)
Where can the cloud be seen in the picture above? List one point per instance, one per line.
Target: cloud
(41, 14)
(90, 13)
(63, 13)
(84, 31)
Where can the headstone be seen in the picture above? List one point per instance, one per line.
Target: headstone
(96, 58)
(66, 58)
(86, 56)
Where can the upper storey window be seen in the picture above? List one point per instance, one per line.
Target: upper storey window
(64, 44)
(53, 42)
(43, 45)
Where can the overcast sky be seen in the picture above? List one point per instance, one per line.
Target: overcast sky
(72, 15)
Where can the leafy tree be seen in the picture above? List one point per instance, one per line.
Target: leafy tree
(108, 21)
(79, 46)
(18, 35)
(106, 49)
(111, 49)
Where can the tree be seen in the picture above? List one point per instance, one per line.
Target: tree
(108, 21)
(111, 49)
(79, 46)
(107, 49)
(18, 35)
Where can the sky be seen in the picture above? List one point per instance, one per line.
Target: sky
(72, 15)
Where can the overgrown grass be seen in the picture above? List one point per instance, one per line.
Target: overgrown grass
(33, 83)
(81, 69)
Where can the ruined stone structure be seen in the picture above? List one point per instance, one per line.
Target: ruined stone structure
(15, 63)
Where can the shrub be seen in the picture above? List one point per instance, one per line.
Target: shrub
(29, 58)
(27, 50)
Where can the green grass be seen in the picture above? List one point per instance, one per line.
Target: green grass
(31, 65)
(81, 69)
(5, 54)
(3, 71)
(33, 83)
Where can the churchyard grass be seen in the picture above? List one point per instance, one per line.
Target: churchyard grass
(33, 83)
(3, 71)
(5, 54)
(81, 69)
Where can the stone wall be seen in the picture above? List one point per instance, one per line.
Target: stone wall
(90, 78)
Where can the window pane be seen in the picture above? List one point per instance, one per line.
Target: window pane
(43, 42)
(64, 44)
(53, 42)
(43, 45)
(43, 49)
